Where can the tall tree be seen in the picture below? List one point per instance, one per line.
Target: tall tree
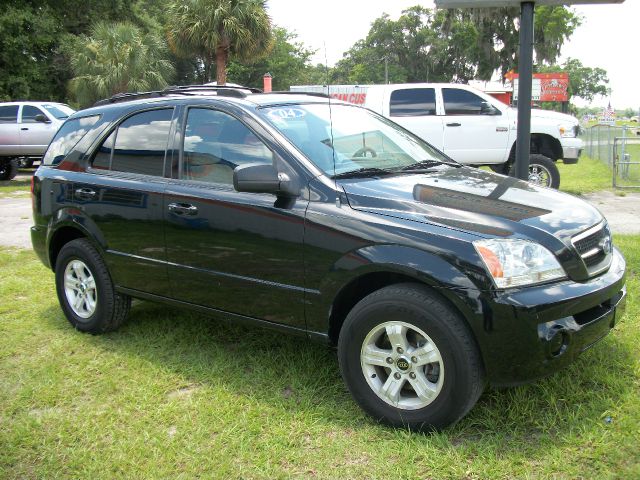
(450, 45)
(33, 34)
(117, 58)
(28, 41)
(219, 30)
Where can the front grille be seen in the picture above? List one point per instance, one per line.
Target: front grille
(587, 244)
(593, 246)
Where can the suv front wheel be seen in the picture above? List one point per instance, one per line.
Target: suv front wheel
(85, 290)
(409, 360)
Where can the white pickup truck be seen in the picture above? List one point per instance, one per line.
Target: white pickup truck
(470, 126)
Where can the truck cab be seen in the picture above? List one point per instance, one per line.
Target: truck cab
(470, 126)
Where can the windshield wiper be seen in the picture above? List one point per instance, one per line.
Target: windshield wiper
(363, 172)
(424, 165)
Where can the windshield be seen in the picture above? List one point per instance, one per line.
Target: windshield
(59, 111)
(359, 139)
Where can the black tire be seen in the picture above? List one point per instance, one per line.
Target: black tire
(501, 168)
(8, 168)
(542, 171)
(412, 304)
(111, 308)
(25, 162)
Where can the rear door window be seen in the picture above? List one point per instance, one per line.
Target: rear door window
(141, 143)
(413, 102)
(9, 114)
(68, 137)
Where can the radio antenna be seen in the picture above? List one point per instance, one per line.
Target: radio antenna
(333, 150)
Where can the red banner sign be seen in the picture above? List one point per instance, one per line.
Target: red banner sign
(546, 87)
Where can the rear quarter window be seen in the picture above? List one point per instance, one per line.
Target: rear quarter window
(68, 137)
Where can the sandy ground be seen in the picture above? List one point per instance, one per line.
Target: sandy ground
(623, 213)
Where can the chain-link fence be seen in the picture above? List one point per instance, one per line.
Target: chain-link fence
(618, 147)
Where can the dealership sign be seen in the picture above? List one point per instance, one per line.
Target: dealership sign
(546, 87)
(514, 3)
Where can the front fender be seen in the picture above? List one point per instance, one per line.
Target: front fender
(440, 271)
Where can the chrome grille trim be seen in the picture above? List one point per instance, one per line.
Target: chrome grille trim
(587, 233)
(595, 259)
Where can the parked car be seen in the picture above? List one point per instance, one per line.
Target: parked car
(329, 221)
(26, 128)
(470, 126)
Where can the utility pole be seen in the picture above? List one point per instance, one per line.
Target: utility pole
(386, 70)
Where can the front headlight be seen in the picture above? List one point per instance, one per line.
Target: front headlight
(513, 263)
(568, 130)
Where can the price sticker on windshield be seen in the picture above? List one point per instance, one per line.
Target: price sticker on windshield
(286, 113)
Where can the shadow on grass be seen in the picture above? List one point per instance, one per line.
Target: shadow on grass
(288, 373)
(17, 184)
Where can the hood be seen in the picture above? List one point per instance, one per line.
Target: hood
(559, 117)
(475, 201)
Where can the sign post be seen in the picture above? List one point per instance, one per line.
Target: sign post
(525, 65)
(525, 68)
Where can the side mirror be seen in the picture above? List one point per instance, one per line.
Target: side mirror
(41, 118)
(487, 109)
(261, 178)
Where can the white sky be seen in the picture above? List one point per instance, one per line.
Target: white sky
(608, 38)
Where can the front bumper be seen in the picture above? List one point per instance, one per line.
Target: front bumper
(534, 331)
(571, 149)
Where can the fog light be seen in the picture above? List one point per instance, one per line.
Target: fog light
(558, 342)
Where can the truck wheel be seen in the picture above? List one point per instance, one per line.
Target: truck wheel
(542, 171)
(501, 168)
(85, 290)
(8, 168)
(409, 360)
(25, 162)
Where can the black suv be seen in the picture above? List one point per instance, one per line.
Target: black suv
(325, 220)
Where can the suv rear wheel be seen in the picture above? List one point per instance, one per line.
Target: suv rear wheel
(85, 289)
(409, 360)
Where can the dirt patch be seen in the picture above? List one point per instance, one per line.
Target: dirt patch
(622, 209)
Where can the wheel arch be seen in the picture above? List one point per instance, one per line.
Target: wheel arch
(542, 143)
(433, 272)
(62, 235)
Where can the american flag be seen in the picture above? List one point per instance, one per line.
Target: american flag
(609, 113)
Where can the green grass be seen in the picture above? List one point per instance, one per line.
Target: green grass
(587, 176)
(15, 188)
(174, 394)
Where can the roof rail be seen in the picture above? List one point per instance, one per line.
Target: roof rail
(221, 90)
(289, 92)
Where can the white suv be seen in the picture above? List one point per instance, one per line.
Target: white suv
(26, 128)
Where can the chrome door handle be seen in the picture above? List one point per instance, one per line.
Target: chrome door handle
(183, 208)
(85, 193)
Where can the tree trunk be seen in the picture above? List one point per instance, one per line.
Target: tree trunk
(222, 54)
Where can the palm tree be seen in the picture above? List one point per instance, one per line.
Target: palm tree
(215, 30)
(117, 58)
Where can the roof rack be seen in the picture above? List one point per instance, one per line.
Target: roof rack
(221, 90)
